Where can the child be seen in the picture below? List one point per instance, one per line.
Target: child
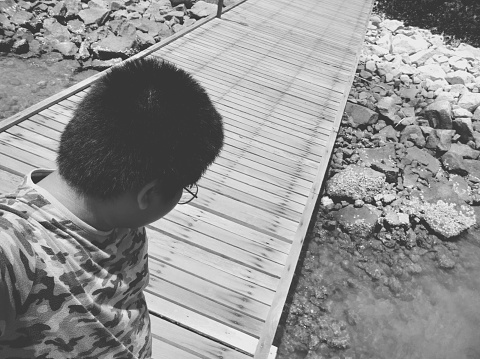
(73, 251)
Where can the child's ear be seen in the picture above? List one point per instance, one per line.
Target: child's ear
(144, 196)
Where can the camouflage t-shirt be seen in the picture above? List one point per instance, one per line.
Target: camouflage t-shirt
(68, 290)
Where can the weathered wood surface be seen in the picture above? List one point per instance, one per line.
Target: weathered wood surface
(221, 267)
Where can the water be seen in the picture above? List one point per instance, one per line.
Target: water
(413, 310)
(25, 82)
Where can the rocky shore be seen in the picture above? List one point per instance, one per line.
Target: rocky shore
(400, 204)
(96, 33)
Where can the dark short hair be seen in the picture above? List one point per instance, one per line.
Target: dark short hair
(142, 121)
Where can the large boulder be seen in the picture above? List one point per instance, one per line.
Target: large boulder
(423, 157)
(114, 47)
(469, 101)
(439, 114)
(441, 209)
(95, 15)
(55, 30)
(361, 115)
(440, 140)
(385, 155)
(403, 44)
(459, 77)
(358, 222)
(431, 71)
(414, 134)
(202, 9)
(356, 182)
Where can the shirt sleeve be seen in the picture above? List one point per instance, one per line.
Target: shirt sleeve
(17, 272)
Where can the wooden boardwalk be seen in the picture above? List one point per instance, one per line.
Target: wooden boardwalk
(279, 72)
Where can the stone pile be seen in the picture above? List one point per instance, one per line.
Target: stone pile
(407, 158)
(97, 33)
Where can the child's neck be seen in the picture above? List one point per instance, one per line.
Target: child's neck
(91, 211)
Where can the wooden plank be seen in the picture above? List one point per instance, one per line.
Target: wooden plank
(29, 125)
(217, 296)
(31, 147)
(162, 243)
(190, 342)
(238, 248)
(206, 306)
(197, 215)
(217, 72)
(225, 249)
(198, 323)
(48, 122)
(35, 137)
(161, 349)
(8, 181)
(221, 278)
(315, 78)
(10, 148)
(255, 197)
(13, 164)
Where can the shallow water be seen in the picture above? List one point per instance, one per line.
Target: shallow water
(25, 82)
(432, 314)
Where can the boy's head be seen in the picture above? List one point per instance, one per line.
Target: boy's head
(144, 121)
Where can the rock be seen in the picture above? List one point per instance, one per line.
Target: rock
(355, 182)
(476, 114)
(76, 27)
(101, 65)
(445, 217)
(83, 52)
(21, 17)
(469, 101)
(423, 157)
(388, 133)
(202, 9)
(459, 77)
(465, 50)
(358, 221)
(408, 44)
(96, 15)
(164, 31)
(387, 106)
(385, 154)
(392, 25)
(461, 112)
(114, 47)
(446, 96)
(464, 150)
(439, 114)
(144, 40)
(445, 262)
(414, 134)
(20, 46)
(464, 128)
(421, 56)
(432, 72)
(361, 115)
(440, 140)
(409, 93)
(67, 48)
(391, 172)
(473, 167)
(397, 219)
(461, 187)
(55, 30)
(453, 163)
